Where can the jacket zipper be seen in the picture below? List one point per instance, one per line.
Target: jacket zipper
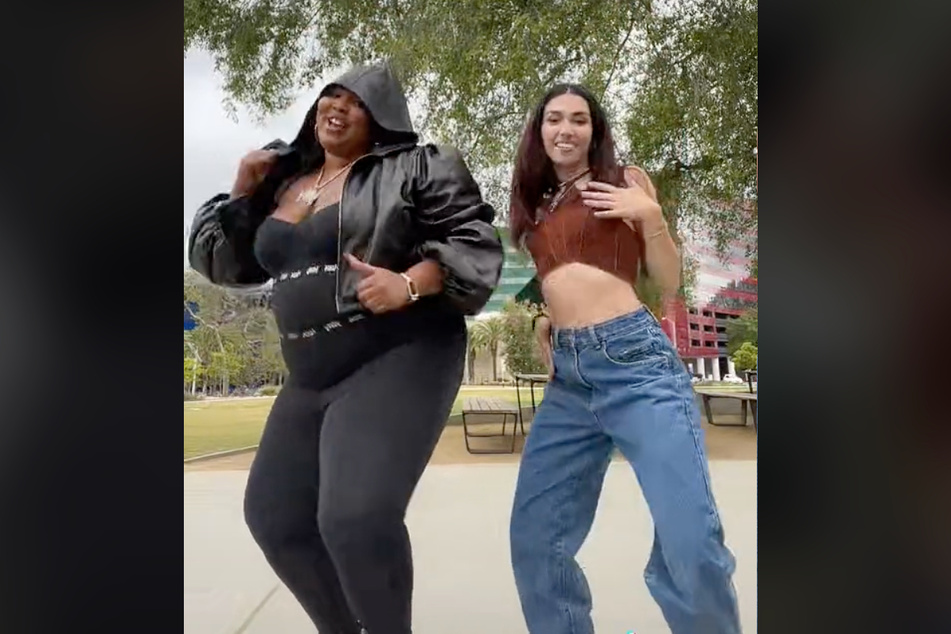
(343, 193)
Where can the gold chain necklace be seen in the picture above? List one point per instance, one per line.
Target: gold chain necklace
(309, 196)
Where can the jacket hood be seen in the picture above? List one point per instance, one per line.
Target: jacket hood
(381, 92)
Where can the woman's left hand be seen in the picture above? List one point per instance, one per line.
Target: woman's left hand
(380, 290)
(630, 203)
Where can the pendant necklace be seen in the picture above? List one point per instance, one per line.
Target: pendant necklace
(309, 196)
(563, 188)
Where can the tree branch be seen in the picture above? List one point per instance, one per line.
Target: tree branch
(201, 321)
(620, 49)
(490, 121)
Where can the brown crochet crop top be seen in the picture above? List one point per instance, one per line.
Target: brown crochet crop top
(572, 233)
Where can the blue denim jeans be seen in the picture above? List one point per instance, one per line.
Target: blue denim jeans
(619, 384)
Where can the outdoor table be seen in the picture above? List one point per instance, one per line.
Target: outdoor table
(531, 380)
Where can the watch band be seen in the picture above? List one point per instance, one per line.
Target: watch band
(410, 287)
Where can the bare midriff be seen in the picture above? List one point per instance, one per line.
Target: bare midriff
(587, 265)
(579, 295)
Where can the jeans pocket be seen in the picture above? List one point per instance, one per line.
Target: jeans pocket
(633, 349)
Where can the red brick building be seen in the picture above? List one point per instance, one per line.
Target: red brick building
(722, 292)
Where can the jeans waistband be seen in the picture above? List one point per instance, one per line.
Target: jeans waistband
(590, 336)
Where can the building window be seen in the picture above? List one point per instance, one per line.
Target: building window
(694, 343)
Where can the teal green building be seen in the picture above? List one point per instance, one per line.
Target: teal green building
(518, 273)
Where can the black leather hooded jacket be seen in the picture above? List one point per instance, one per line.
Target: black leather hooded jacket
(401, 203)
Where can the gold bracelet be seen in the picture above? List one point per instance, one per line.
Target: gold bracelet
(657, 233)
(411, 289)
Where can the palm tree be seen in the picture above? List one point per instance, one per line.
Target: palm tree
(474, 346)
(487, 335)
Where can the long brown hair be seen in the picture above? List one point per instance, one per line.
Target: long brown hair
(534, 174)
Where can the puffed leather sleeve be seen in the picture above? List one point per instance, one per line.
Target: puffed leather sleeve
(221, 242)
(456, 228)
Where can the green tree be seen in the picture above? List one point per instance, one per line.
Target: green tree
(693, 121)
(679, 80)
(742, 330)
(521, 352)
(226, 365)
(193, 372)
(260, 348)
(473, 343)
(745, 357)
(487, 335)
(272, 358)
(233, 326)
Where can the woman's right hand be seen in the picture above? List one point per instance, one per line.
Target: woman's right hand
(251, 171)
(543, 336)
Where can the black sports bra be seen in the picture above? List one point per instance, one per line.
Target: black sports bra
(281, 246)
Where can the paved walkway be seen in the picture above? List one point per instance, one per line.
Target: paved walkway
(722, 443)
(459, 522)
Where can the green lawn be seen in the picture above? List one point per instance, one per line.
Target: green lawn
(212, 426)
(724, 387)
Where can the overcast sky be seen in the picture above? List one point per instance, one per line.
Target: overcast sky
(214, 143)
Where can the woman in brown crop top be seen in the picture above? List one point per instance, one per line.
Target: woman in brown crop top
(616, 382)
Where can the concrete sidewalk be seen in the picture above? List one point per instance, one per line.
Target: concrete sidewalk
(459, 523)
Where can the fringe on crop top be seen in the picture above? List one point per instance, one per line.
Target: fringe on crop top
(572, 233)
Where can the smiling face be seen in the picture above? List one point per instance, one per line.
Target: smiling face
(566, 132)
(343, 123)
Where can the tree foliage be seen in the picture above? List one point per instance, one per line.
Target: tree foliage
(521, 351)
(472, 349)
(487, 334)
(678, 79)
(745, 357)
(236, 340)
(745, 329)
(193, 370)
(693, 122)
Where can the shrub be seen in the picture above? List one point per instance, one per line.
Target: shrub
(521, 352)
(745, 357)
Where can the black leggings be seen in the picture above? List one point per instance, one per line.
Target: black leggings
(333, 476)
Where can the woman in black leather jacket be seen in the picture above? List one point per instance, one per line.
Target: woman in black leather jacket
(378, 247)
